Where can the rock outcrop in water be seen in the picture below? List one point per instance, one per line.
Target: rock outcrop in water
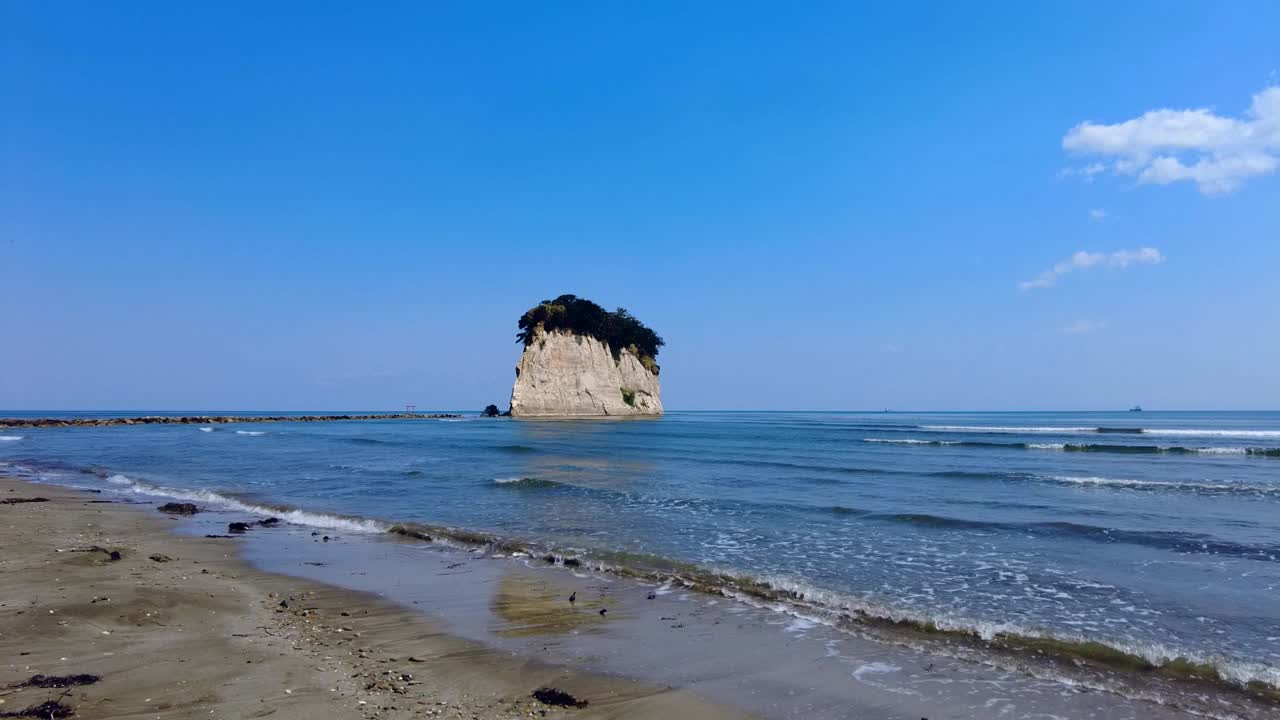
(562, 374)
(571, 369)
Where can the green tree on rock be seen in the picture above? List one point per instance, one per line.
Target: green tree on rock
(620, 330)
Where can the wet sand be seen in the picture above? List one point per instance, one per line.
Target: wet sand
(180, 627)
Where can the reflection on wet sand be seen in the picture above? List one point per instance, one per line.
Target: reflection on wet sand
(525, 606)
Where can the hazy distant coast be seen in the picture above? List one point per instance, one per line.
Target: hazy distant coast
(207, 419)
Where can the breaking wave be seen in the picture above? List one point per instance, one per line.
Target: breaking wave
(11, 438)
(1006, 429)
(526, 482)
(1088, 447)
(1212, 488)
(251, 432)
(228, 502)
(911, 441)
(1213, 433)
(1105, 430)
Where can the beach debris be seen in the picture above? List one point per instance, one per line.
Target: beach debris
(573, 597)
(49, 710)
(269, 522)
(61, 681)
(603, 611)
(572, 562)
(161, 558)
(16, 501)
(113, 555)
(217, 537)
(237, 527)
(179, 508)
(651, 596)
(557, 698)
(407, 532)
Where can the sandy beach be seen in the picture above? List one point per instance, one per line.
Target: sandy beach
(181, 627)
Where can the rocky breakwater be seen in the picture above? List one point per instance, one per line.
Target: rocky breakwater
(582, 361)
(204, 420)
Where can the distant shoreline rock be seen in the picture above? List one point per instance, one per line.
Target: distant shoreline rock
(207, 419)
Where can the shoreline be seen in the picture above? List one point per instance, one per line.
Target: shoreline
(515, 626)
(184, 627)
(1091, 663)
(56, 422)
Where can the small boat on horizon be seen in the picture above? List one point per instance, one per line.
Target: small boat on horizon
(1136, 408)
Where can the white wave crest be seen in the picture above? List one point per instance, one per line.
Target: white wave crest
(1093, 480)
(1170, 484)
(1173, 432)
(206, 429)
(1007, 429)
(901, 441)
(11, 438)
(1047, 446)
(251, 432)
(515, 480)
(1213, 433)
(209, 497)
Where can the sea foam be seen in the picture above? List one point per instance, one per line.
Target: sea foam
(290, 515)
(1172, 432)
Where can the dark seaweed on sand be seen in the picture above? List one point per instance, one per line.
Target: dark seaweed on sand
(61, 681)
(45, 710)
(558, 698)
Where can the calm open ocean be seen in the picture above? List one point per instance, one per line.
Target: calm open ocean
(1156, 533)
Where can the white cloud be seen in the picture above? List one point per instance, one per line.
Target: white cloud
(1164, 146)
(1083, 327)
(1082, 260)
(1097, 214)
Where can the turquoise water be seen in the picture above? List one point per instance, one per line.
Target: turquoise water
(1156, 533)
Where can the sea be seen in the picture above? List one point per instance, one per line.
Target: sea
(1156, 534)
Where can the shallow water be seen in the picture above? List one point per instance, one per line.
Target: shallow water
(1164, 542)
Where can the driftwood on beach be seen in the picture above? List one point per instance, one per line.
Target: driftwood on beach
(206, 419)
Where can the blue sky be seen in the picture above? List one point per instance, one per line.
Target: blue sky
(294, 206)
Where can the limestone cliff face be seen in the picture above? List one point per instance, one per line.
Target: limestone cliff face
(566, 375)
